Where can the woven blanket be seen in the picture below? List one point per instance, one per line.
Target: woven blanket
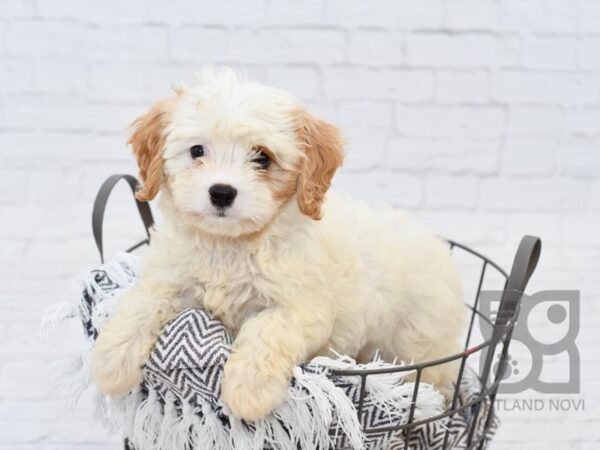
(178, 405)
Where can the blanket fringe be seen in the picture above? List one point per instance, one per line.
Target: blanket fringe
(389, 391)
(55, 320)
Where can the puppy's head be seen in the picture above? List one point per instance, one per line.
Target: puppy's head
(232, 153)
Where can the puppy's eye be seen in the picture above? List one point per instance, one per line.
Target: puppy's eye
(197, 151)
(262, 160)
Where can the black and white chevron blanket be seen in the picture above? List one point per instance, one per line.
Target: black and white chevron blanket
(178, 405)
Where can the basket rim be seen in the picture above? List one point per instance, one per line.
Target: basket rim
(396, 368)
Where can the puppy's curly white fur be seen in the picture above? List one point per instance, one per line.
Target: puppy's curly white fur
(251, 235)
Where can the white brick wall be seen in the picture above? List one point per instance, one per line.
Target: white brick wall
(481, 116)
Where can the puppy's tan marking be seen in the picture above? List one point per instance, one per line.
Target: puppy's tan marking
(323, 147)
(147, 140)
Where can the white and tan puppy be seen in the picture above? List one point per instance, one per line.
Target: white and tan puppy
(251, 236)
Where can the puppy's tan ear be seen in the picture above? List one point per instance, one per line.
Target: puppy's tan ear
(147, 140)
(324, 152)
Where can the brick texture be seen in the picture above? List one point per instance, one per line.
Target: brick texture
(480, 116)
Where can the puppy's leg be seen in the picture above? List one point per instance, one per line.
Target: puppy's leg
(268, 346)
(123, 346)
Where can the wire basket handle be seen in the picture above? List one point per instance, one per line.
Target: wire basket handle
(100, 207)
(524, 264)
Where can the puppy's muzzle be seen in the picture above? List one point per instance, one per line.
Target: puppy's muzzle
(222, 195)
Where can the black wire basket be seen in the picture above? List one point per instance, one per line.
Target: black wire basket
(491, 353)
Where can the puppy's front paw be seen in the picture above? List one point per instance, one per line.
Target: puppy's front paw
(118, 364)
(252, 390)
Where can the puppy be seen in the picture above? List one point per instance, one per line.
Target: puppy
(251, 235)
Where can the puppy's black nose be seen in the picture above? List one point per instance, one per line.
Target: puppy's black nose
(222, 195)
